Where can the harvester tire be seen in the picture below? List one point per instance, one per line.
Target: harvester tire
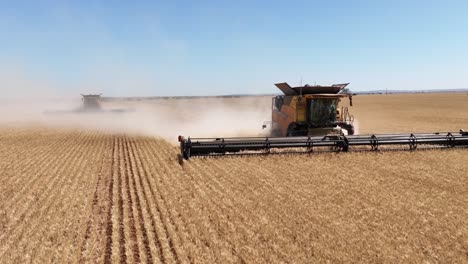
(293, 131)
(349, 129)
(289, 132)
(275, 133)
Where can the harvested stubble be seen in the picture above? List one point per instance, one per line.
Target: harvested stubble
(90, 197)
(69, 196)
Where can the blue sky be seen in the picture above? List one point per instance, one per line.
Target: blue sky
(141, 48)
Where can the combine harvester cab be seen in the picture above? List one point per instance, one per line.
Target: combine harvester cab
(309, 119)
(310, 111)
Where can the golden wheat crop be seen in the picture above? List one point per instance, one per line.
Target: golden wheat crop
(86, 196)
(411, 112)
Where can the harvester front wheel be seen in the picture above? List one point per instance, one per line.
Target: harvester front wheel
(349, 129)
(275, 133)
(294, 131)
(184, 150)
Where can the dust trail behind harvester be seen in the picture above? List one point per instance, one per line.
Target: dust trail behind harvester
(200, 117)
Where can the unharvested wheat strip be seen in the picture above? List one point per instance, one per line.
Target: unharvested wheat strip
(209, 237)
(167, 234)
(151, 240)
(43, 191)
(158, 192)
(48, 202)
(138, 230)
(27, 184)
(93, 248)
(64, 206)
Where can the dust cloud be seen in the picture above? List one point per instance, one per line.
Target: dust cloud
(32, 100)
(166, 118)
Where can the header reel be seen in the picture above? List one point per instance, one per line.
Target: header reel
(195, 147)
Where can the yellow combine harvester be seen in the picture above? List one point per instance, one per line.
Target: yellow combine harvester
(311, 119)
(310, 110)
(92, 103)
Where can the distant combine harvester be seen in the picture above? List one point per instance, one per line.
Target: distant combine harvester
(91, 102)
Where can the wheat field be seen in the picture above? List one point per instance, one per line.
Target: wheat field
(71, 195)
